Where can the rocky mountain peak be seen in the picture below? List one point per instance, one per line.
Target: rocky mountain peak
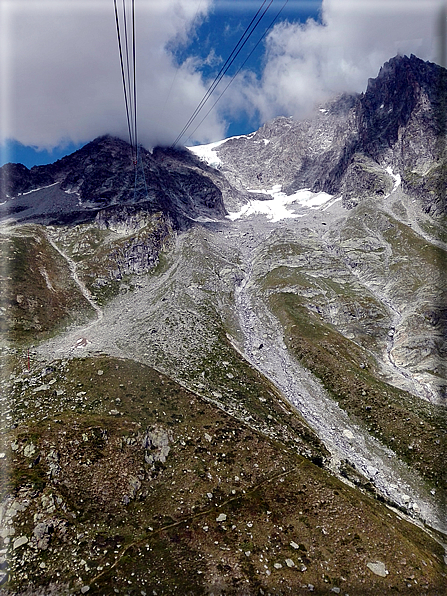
(404, 88)
(411, 72)
(101, 175)
(347, 145)
(398, 122)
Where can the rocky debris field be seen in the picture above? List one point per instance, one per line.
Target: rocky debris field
(106, 454)
(140, 485)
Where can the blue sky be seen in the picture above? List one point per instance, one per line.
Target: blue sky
(61, 78)
(211, 41)
(15, 152)
(217, 35)
(220, 31)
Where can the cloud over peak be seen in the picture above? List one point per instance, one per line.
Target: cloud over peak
(308, 63)
(61, 78)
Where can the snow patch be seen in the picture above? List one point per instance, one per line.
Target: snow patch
(28, 192)
(207, 152)
(397, 179)
(203, 219)
(277, 208)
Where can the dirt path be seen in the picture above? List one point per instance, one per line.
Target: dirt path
(73, 270)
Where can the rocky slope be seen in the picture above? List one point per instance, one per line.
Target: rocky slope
(217, 387)
(101, 177)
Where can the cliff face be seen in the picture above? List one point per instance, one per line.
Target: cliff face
(101, 175)
(403, 121)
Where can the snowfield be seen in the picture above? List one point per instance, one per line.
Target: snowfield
(276, 209)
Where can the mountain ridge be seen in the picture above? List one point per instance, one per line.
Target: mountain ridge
(234, 382)
(102, 174)
(367, 124)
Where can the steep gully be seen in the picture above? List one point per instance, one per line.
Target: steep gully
(345, 440)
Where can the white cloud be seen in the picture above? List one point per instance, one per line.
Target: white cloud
(311, 62)
(61, 80)
(61, 77)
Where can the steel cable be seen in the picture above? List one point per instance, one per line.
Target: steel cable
(236, 50)
(134, 76)
(239, 69)
(126, 101)
(130, 86)
(129, 81)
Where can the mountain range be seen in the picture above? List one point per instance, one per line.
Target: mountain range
(223, 369)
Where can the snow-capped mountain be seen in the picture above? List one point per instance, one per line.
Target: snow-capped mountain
(226, 374)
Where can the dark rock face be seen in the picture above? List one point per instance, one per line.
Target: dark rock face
(16, 178)
(407, 91)
(363, 177)
(102, 175)
(146, 238)
(403, 114)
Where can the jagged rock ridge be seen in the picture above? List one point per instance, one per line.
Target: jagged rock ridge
(399, 122)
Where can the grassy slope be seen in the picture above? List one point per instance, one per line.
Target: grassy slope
(384, 410)
(37, 294)
(167, 537)
(335, 327)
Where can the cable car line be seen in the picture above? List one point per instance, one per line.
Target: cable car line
(129, 80)
(223, 70)
(239, 69)
(134, 76)
(122, 73)
(126, 31)
(126, 38)
(236, 51)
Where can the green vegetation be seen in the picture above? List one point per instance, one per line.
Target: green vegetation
(118, 476)
(224, 511)
(351, 378)
(37, 294)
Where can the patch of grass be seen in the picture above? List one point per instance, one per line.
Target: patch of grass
(118, 520)
(437, 229)
(349, 375)
(37, 293)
